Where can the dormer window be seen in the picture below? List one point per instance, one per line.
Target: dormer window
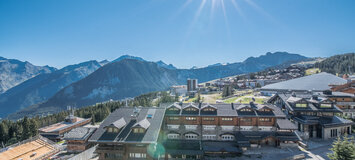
(245, 110)
(325, 105)
(138, 130)
(301, 105)
(190, 109)
(116, 126)
(141, 126)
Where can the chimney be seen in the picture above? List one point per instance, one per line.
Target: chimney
(135, 114)
(252, 105)
(232, 105)
(314, 97)
(293, 94)
(327, 92)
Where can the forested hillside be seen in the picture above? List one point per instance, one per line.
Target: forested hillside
(14, 131)
(341, 64)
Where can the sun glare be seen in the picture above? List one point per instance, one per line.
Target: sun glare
(221, 6)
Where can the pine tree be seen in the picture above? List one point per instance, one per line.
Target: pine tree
(3, 132)
(33, 127)
(93, 120)
(26, 129)
(343, 149)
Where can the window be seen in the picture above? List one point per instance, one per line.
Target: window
(227, 137)
(208, 118)
(325, 105)
(110, 130)
(113, 155)
(190, 127)
(173, 118)
(137, 155)
(301, 105)
(173, 136)
(190, 109)
(173, 109)
(246, 110)
(115, 130)
(265, 119)
(191, 136)
(209, 127)
(245, 119)
(190, 118)
(209, 109)
(227, 128)
(209, 137)
(173, 126)
(138, 130)
(227, 119)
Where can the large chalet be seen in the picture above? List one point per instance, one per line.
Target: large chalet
(192, 130)
(315, 115)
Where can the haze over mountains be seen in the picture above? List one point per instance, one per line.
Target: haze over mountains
(130, 76)
(43, 86)
(14, 72)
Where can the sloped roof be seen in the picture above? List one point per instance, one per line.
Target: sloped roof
(80, 133)
(143, 123)
(286, 124)
(175, 105)
(315, 82)
(119, 123)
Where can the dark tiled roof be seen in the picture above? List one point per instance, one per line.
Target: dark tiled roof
(119, 123)
(229, 110)
(334, 121)
(313, 104)
(316, 82)
(285, 124)
(125, 135)
(80, 133)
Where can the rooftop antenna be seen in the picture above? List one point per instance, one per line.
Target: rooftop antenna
(72, 111)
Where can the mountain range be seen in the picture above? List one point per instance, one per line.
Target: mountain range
(131, 76)
(14, 72)
(38, 89)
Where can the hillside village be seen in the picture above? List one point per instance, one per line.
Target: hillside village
(295, 112)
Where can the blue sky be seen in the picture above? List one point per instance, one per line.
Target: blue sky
(185, 33)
